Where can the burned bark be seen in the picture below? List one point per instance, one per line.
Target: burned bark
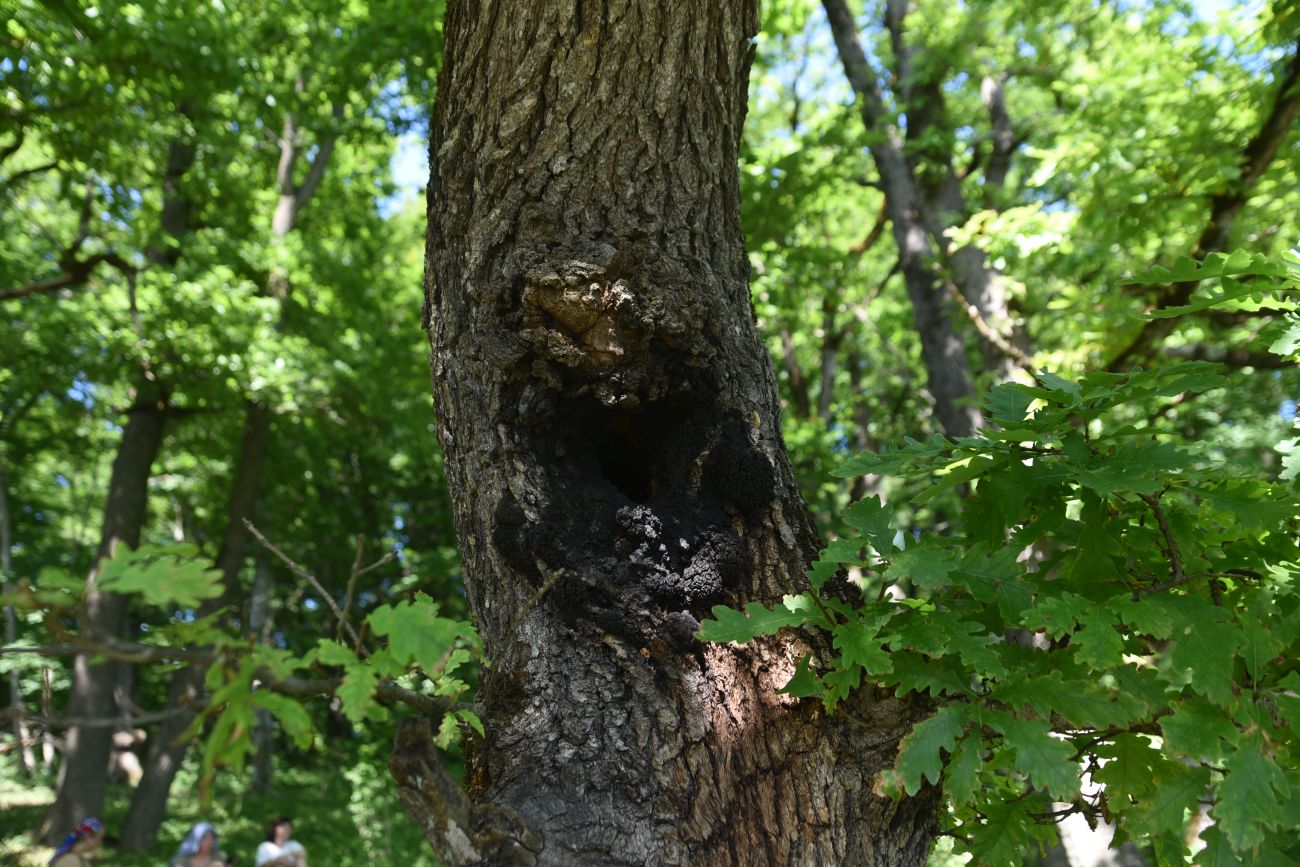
(611, 430)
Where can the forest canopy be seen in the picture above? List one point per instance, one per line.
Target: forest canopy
(923, 416)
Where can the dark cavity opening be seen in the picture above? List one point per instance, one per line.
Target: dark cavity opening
(624, 463)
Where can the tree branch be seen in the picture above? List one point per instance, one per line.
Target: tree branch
(1004, 137)
(316, 172)
(22, 174)
(298, 570)
(460, 831)
(100, 722)
(877, 229)
(1224, 210)
(77, 271)
(988, 332)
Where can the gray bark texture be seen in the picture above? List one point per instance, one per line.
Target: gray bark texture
(948, 376)
(611, 430)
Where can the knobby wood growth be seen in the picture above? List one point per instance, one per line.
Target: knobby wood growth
(611, 429)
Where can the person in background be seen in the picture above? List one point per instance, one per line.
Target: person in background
(75, 848)
(278, 850)
(199, 849)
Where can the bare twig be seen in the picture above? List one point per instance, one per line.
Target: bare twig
(97, 722)
(352, 586)
(988, 332)
(1171, 547)
(305, 575)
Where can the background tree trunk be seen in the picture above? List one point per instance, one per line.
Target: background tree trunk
(26, 756)
(166, 749)
(948, 375)
(611, 430)
(166, 752)
(83, 775)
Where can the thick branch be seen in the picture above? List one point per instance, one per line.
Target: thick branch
(1224, 209)
(22, 174)
(462, 832)
(1004, 138)
(316, 172)
(77, 272)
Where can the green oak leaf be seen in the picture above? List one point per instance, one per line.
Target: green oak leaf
(858, 646)
(803, 683)
(873, 519)
(914, 673)
(1198, 730)
(962, 776)
(357, 692)
(292, 716)
(1174, 794)
(1250, 798)
(925, 566)
(1047, 760)
(1003, 837)
(757, 619)
(162, 575)
(919, 753)
(1129, 772)
(416, 634)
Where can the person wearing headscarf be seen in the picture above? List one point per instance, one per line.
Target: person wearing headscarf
(83, 840)
(199, 849)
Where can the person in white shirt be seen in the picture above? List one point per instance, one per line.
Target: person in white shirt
(278, 850)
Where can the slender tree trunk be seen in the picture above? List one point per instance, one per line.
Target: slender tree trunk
(26, 757)
(942, 349)
(166, 749)
(611, 430)
(919, 77)
(83, 775)
(259, 609)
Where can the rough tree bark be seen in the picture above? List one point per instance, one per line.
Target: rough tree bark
(611, 430)
(83, 775)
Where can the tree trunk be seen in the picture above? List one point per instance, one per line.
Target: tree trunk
(166, 752)
(83, 775)
(166, 749)
(942, 349)
(259, 612)
(26, 757)
(611, 429)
